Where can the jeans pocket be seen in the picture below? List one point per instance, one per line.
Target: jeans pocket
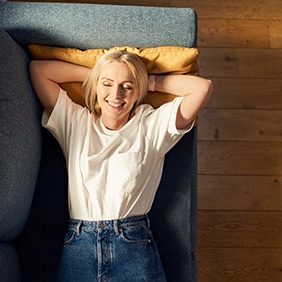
(136, 234)
(70, 235)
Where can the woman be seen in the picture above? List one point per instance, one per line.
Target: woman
(114, 149)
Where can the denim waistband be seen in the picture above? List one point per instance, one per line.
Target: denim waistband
(115, 224)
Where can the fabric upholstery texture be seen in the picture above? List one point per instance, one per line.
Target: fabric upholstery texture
(9, 263)
(98, 26)
(20, 147)
(20, 138)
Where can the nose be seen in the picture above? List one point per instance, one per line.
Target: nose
(116, 92)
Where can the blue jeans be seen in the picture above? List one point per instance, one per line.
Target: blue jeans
(113, 251)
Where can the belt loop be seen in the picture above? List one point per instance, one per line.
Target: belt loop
(148, 221)
(116, 227)
(78, 227)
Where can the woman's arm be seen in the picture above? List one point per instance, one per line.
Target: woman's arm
(47, 74)
(195, 90)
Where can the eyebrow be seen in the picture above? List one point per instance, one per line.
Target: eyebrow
(106, 78)
(113, 80)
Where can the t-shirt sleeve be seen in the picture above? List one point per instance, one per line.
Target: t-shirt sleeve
(59, 123)
(172, 121)
(161, 126)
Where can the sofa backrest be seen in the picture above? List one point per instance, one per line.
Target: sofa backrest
(98, 26)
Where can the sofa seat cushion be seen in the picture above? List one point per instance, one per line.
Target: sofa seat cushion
(20, 138)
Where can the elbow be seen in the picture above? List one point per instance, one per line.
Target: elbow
(209, 86)
(34, 68)
(39, 68)
(33, 65)
(208, 89)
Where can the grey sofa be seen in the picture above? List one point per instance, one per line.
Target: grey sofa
(33, 179)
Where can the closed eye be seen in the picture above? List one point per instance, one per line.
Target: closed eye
(127, 87)
(107, 84)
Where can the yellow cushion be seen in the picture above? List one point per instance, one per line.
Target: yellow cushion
(158, 60)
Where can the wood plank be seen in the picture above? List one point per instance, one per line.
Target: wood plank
(239, 33)
(240, 125)
(229, 9)
(228, 192)
(247, 63)
(275, 34)
(241, 93)
(240, 158)
(240, 229)
(240, 264)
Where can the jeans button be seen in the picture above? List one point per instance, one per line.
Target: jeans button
(102, 225)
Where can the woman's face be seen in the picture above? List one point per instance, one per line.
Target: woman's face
(116, 94)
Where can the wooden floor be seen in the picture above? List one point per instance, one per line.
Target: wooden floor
(240, 141)
(240, 138)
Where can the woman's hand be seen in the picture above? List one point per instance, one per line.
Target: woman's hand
(195, 90)
(47, 74)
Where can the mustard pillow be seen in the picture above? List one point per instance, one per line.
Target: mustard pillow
(158, 60)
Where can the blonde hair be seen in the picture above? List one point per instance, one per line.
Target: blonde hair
(136, 66)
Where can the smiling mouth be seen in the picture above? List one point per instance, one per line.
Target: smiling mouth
(115, 105)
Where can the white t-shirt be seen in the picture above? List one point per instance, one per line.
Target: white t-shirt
(112, 174)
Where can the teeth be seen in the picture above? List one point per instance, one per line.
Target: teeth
(114, 104)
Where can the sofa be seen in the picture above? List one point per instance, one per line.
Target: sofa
(33, 178)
